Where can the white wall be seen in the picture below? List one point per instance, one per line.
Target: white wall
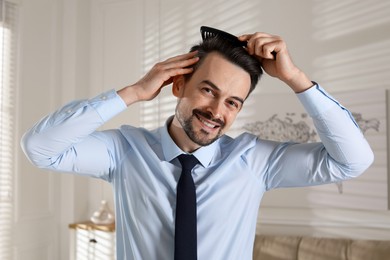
(77, 48)
(37, 211)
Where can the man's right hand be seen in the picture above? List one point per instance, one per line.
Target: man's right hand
(158, 77)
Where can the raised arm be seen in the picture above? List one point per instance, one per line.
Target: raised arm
(343, 152)
(67, 140)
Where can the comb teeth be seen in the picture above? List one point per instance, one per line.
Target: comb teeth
(208, 35)
(208, 32)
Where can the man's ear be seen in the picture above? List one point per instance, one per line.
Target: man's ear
(178, 85)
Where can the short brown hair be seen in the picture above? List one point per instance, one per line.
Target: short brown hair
(236, 55)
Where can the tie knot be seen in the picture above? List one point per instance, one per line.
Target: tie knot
(187, 161)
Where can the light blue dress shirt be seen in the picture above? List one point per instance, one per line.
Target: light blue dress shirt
(230, 180)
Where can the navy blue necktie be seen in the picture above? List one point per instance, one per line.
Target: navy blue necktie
(185, 223)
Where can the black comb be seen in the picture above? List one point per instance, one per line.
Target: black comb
(208, 32)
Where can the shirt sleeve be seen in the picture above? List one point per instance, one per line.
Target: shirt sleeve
(67, 140)
(343, 152)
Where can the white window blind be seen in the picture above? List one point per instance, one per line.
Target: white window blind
(7, 101)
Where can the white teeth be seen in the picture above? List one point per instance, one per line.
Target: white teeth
(207, 124)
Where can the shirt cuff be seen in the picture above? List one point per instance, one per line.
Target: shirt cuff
(316, 100)
(108, 104)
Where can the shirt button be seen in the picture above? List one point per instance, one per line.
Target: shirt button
(68, 111)
(103, 98)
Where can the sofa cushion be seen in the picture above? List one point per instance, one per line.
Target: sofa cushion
(373, 250)
(276, 248)
(312, 248)
(268, 247)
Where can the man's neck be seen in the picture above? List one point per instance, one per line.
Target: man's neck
(180, 137)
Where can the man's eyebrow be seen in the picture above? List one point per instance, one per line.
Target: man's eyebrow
(215, 87)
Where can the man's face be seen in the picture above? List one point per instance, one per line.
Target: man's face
(210, 100)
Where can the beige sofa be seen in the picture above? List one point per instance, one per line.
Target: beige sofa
(310, 248)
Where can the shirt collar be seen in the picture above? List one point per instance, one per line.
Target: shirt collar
(204, 154)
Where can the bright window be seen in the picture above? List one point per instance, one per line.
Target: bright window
(7, 123)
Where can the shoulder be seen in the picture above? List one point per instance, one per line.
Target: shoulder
(248, 147)
(245, 141)
(237, 146)
(135, 135)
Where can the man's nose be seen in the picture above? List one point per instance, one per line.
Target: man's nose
(216, 109)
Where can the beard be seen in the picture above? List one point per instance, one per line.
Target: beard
(202, 137)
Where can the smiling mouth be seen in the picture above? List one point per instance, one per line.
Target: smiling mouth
(207, 121)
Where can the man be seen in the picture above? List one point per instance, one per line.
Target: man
(211, 84)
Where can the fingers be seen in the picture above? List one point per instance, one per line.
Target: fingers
(170, 74)
(183, 60)
(163, 72)
(179, 64)
(263, 45)
(183, 56)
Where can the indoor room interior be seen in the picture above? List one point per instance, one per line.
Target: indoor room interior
(56, 51)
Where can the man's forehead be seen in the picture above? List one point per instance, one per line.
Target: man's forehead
(223, 74)
(214, 62)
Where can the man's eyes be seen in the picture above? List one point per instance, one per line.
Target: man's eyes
(208, 90)
(233, 104)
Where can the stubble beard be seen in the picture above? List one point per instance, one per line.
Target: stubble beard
(202, 137)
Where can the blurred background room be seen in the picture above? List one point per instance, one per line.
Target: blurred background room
(54, 51)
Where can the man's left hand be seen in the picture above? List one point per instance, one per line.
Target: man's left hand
(272, 52)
